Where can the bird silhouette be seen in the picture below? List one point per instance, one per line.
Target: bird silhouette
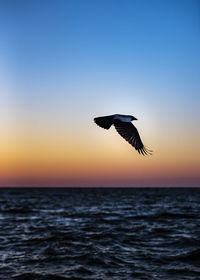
(125, 128)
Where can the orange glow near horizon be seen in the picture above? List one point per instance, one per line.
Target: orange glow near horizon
(99, 158)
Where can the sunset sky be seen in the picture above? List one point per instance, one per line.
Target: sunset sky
(62, 63)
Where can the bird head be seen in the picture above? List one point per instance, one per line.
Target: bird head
(133, 118)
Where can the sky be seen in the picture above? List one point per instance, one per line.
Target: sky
(62, 63)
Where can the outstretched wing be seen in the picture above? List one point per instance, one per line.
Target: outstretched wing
(104, 122)
(129, 132)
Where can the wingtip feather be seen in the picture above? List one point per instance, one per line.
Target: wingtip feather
(145, 151)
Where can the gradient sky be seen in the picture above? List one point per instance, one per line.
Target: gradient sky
(64, 62)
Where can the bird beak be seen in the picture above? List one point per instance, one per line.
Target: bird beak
(134, 119)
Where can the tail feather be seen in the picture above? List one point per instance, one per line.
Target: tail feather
(104, 122)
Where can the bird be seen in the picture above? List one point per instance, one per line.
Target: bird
(125, 128)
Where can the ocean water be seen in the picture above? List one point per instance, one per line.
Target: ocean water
(99, 234)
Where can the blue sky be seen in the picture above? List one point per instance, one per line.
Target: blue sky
(112, 43)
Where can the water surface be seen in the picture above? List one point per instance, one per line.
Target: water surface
(48, 234)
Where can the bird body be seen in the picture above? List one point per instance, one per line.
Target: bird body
(124, 118)
(123, 125)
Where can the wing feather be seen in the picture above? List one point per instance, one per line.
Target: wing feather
(129, 132)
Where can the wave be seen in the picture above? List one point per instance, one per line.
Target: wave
(38, 276)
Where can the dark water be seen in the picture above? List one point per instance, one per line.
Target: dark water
(99, 234)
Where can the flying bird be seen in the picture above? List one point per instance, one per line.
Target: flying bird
(123, 125)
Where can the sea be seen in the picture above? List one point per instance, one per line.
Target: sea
(100, 234)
